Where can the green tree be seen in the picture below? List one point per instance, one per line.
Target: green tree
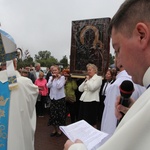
(26, 62)
(111, 59)
(45, 58)
(48, 62)
(43, 55)
(64, 61)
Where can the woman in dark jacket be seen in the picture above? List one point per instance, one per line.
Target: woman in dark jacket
(106, 82)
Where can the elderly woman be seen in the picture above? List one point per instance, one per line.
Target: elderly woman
(90, 96)
(56, 84)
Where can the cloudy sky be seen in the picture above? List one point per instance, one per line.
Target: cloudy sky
(46, 24)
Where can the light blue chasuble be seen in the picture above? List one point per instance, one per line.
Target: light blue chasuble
(4, 114)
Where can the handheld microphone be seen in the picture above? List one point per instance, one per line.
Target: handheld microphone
(126, 90)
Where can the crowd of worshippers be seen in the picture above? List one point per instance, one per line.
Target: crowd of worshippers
(91, 98)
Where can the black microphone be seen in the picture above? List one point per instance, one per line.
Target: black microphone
(126, 90)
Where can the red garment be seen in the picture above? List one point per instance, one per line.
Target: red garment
(41, 83)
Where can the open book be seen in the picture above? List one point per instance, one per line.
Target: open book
(90, 136)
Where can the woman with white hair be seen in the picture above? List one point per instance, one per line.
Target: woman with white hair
(90, 97)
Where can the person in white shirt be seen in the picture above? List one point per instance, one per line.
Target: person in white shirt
(90, 97)
(130, 32)
(56, 84)
(109, 120)
(37, 70)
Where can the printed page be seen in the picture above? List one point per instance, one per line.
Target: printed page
(90, 136)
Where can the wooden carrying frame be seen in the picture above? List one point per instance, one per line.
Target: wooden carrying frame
(89, 44)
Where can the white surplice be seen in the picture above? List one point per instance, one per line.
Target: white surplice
(133, 132)
(22, 115)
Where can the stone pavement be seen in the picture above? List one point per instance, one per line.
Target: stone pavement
(43, 141)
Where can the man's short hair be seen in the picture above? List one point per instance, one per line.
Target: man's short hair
(37, 64)
(129, 14)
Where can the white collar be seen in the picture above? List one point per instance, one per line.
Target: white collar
(4, 77)
(146, 78)
(123, 73)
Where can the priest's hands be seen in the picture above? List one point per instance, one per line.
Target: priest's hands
(69, 143)
(119, 109)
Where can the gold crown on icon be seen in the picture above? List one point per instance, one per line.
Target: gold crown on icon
(3, 101)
